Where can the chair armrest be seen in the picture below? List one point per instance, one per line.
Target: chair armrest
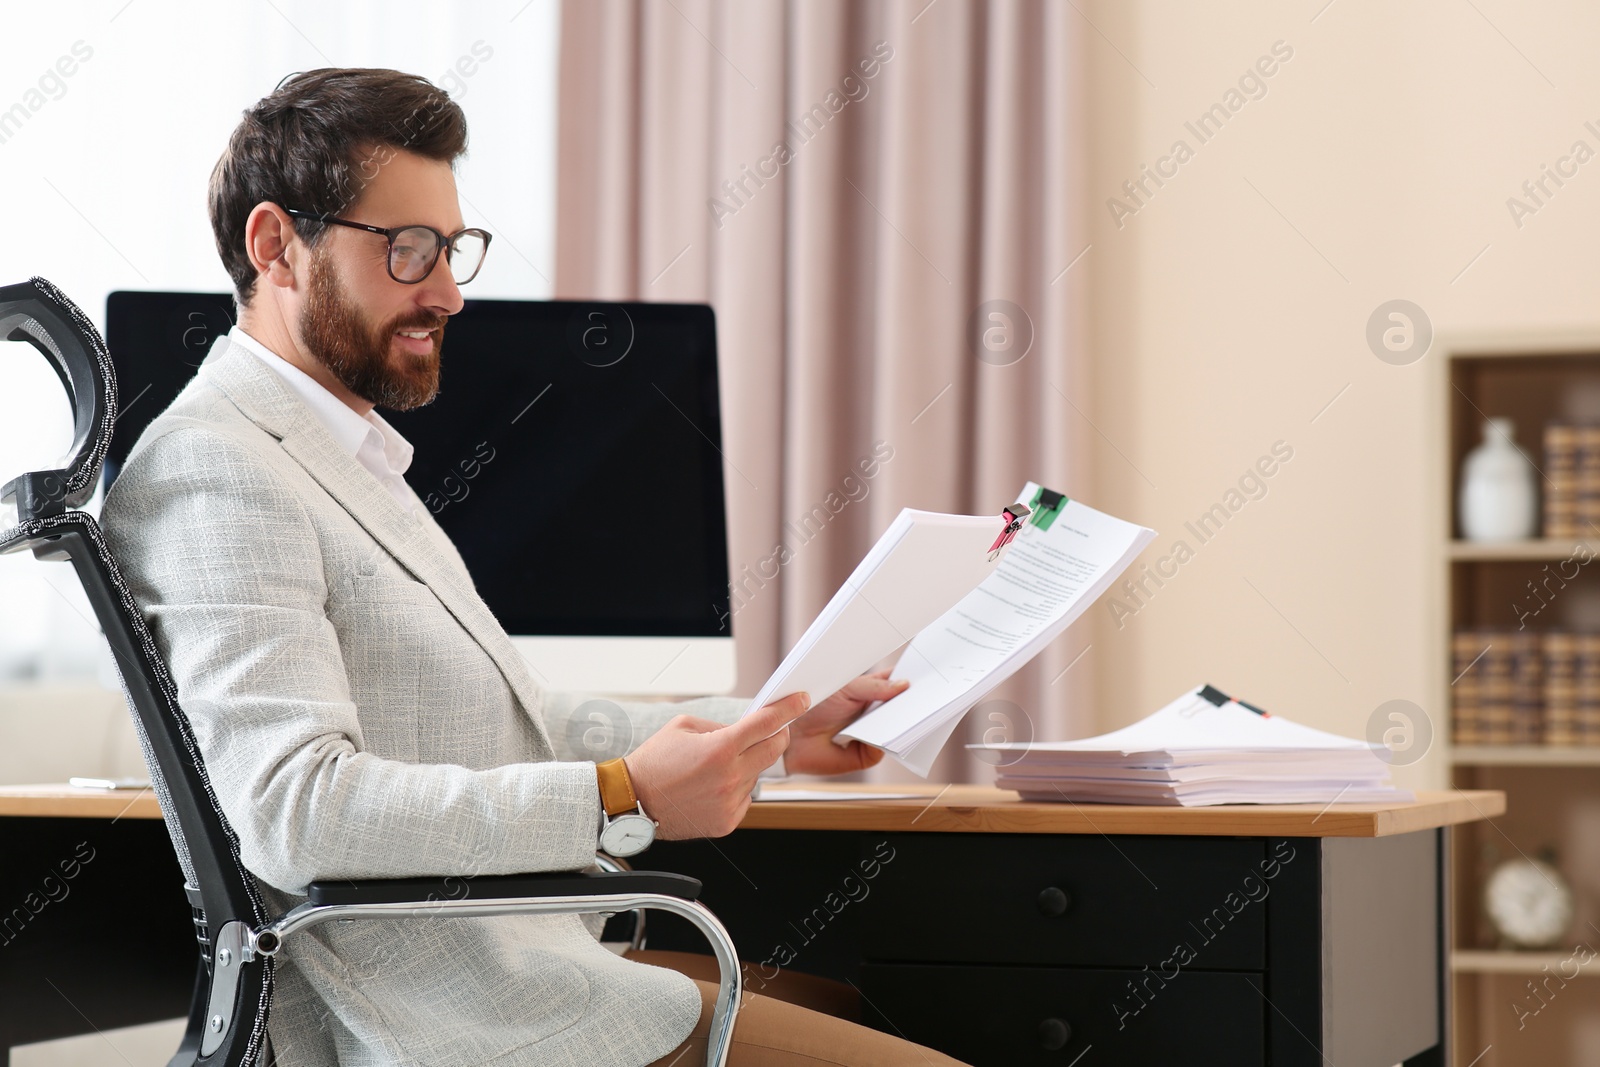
(563, 893)
(502, 886)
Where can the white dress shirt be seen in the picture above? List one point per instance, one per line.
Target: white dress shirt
(375, 444)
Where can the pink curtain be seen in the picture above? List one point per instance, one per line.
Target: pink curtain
(883, 202)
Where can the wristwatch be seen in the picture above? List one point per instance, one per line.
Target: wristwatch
(625, 830)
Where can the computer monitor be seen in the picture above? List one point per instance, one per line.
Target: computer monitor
(574, 456)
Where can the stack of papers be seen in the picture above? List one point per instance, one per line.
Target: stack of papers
(1203, 748)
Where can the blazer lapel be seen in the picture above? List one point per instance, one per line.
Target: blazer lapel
(263, 398)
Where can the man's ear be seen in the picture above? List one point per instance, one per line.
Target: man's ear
(272, 245)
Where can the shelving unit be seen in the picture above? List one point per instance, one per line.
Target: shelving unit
(1493, 961)
(1517, 551)
(1523, 756)
(1553, 793)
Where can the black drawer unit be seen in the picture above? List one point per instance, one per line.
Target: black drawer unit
(1022, 1016)
(1016, 948)
(73, 888)
(1091, 901)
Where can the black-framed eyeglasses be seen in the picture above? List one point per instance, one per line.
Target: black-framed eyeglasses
(413, 250)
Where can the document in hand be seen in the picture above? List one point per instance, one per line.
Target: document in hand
(970, 626)
(1059, 564)
(1203, 748)
(924, 562)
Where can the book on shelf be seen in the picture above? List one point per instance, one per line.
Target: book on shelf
(1588, 716)
(1466, 691)
(1571, 481)
(1588, 479)
(1560, 689)
(1561, 481)
(1494, 714)
(1525, 687)
(1526, 706)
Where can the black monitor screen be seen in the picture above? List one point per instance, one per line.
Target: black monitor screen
(573, 453)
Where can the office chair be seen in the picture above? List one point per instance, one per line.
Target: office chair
(238, 939)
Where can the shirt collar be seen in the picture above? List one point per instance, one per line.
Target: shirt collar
(350, 430)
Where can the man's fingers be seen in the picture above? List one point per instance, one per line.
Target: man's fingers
(866, 755)
(765, 753)
(874, 686)
(766, 721)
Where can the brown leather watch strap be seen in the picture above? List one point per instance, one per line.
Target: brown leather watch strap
(616, 788)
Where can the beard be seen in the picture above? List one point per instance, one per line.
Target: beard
(334, 330)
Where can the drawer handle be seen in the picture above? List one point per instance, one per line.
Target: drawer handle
(1054, 1034)
(1053, 901)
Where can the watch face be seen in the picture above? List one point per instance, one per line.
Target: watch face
(1529, 903)
(627, 835)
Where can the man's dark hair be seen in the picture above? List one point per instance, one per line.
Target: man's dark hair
(315, 143)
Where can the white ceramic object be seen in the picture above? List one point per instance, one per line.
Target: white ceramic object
(1499, 493)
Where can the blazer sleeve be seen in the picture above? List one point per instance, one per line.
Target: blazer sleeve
(588, 726)
(225, 562)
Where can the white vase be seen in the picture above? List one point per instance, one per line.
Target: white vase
(1499, 494)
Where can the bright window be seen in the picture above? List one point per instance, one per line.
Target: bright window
(103, 175)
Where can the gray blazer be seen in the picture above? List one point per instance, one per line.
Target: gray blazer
(363, 715)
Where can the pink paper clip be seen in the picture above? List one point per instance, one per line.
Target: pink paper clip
(1013, 516)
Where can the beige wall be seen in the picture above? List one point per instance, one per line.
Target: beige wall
(49, 733)
(1221, 323)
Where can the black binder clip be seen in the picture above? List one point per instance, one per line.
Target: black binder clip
(1013, 515)
(1046, 506)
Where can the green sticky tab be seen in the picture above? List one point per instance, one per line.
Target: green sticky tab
(1046, 505)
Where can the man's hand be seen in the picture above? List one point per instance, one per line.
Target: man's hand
(811, 748)
(695, 777)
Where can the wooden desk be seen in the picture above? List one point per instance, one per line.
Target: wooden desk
(949, 809)
(1002, 931)
(70, 802)
(978, 809)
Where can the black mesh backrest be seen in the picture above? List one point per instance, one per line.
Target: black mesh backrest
(37, 312)
(208, 849)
